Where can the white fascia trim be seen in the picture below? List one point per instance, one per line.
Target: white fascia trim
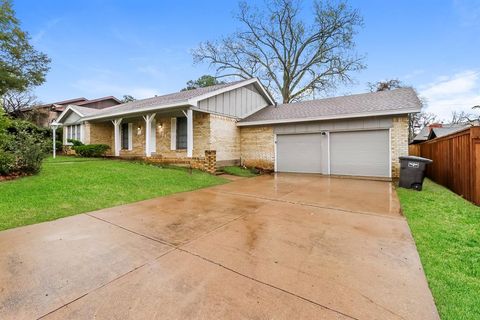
(194, 101)
(69, 107)
(139, 110)
(335, 117)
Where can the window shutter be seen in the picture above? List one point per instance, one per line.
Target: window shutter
(173, 134)
(65, 135)
(81, 134)
(130, 138)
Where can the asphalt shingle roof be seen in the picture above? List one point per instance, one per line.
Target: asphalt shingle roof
(401, 100)
(167, 99)
(445, 131)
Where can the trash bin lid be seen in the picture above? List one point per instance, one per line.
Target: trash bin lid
(414, 158)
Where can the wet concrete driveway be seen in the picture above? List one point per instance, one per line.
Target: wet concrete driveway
(272, 247)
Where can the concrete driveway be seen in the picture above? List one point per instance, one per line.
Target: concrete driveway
(272, 247)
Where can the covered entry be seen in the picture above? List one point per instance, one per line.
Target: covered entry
(300, 153)
(360, 153)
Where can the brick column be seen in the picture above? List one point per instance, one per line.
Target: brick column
(399, 142)
(211, 161)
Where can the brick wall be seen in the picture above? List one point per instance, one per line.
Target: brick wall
(201, 133)
(225, 138)
(207, 163)
(99, 133)
(399, 142)
(257, 147)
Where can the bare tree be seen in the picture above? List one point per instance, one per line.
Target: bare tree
(127, 98)
(15, 102)
(293, 59)
(462, 117)
(418, 121)
(385, 85)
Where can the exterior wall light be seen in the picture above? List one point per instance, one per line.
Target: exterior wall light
(139, 130)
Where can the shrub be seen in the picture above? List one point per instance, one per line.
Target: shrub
(23, 146)
(91, 150)
(7, 162)
(75, 143)
(29, 150)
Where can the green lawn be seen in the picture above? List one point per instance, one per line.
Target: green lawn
(446, 229)
(70, 185)
(238, 171)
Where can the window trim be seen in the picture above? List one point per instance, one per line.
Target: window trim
(73, 132)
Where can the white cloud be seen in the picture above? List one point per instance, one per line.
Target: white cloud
(452, 93)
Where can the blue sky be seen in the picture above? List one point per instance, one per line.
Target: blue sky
(142, 48)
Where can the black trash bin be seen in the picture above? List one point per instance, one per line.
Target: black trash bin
(412, 172)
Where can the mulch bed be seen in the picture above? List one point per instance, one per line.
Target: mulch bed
(13, 176)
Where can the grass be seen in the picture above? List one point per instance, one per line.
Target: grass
(68, 185)
(238, 171)
(446, 229)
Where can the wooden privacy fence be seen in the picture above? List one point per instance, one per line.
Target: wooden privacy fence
(456, 162)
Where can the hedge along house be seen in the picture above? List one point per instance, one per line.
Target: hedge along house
(357, 135)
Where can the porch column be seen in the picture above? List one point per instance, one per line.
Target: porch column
(148, 131)
(116, 131)
(189, 115)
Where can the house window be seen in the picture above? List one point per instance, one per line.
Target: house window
(182, 133)
(125, 134)
(73, 132)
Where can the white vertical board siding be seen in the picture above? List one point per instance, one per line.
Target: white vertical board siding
(71, 118)
(236, 103)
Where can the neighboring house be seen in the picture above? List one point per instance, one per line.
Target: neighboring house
(359, 135)
(44, 114)
(437, 130)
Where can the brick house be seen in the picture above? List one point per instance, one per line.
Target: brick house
(43, 115)
(239, 122)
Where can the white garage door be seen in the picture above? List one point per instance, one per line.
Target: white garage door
(360, 153)
(299, 153)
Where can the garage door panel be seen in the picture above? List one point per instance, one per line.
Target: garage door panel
(299, 153)
(360, 153)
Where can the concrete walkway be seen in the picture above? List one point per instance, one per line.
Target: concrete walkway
(272, 247)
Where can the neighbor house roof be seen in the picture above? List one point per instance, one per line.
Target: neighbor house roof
(422, 135)
(188, 97)
(87, 102)
(439, 130)
(445, 131)
(398, 101)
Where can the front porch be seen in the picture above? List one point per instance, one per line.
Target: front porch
(179, 136)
